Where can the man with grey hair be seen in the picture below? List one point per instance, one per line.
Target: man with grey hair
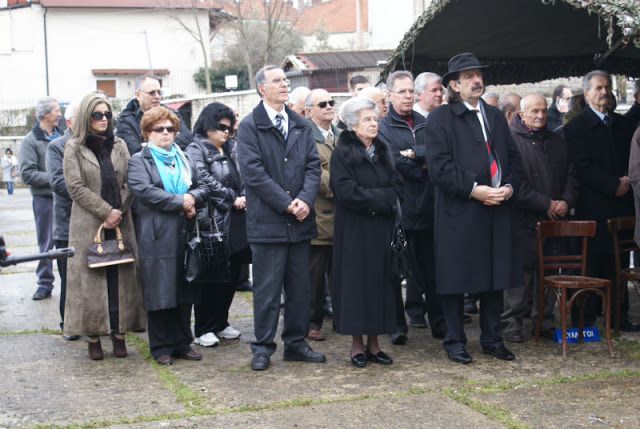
(320, 112)
(510, 105)
(280, 167)
(61, 201)
(428, 93)
(491, 98)
(403, 132)
(148, 94)
(297, 99)
(33, 172)
(599, 144)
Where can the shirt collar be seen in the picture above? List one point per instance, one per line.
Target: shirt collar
(600, 114)
(271, 112)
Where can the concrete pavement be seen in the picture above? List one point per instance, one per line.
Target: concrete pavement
(48, 382)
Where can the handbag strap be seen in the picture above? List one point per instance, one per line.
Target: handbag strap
(97, 239)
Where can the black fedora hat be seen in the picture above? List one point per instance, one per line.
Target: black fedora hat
(460, 62)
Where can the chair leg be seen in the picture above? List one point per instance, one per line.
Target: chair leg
(541, 291)
(607, 321)
(618, 287)
(563, 321)
(580, 303)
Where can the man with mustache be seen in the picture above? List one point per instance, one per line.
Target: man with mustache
(548, 189)
(599, 144)
(475, 166)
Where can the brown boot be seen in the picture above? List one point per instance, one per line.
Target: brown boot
(95, 350)
(119, 346)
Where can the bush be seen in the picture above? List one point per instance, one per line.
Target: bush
(217, 77)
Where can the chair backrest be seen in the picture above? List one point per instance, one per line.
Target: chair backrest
(564, 228)
(622, 229)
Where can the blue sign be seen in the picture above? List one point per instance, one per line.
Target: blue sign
(588, 334)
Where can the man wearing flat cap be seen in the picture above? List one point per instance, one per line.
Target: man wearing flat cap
(475, 167)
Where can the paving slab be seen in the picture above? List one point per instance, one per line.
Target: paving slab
(18, 312)
(47, 380)
(420, 410)
(600, 403)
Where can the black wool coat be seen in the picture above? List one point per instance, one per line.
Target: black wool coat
(365, 192)
(417, 207)
(547, 174)
(600, 155)
(476, 245)
(161, 232)
(275, 172)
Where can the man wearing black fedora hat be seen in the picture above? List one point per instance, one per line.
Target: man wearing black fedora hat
(475, 166)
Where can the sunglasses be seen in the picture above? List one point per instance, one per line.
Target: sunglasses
(323, 104)
(158, 92)
(223, 127)
(163, 128)
(96, 116)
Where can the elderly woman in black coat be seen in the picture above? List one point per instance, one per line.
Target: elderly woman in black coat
(164, 182)
(366, 188)
(214, 155)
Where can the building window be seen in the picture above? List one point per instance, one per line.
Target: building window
(108, 86)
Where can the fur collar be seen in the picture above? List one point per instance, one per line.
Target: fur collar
(352, 150)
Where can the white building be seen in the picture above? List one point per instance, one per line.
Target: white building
(66, 48)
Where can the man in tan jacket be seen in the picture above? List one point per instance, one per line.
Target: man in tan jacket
(320, 111)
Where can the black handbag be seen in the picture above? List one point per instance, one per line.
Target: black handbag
(102, 253)
(399, 263)
(206, 257)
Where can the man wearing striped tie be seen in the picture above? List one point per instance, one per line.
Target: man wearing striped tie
(475, 167)
(280, 166)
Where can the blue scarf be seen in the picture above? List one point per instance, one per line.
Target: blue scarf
(173, 168)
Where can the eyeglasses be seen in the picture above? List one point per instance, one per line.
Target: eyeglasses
(323, 104)
(405, 92)
(96, 116)
(279, 81)
(223, 127)
(155, 92)
(163, 128)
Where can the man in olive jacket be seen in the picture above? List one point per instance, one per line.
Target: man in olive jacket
(33, 172)
(281, 170)
(320, 111)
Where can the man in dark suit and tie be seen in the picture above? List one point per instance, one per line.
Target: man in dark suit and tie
(599, 143)
(280, 167)
(475, 166)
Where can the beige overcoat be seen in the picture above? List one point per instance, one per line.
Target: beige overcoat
(87, 306)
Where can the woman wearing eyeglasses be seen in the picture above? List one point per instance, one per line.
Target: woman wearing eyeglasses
(214, 155)
(107, 300)
(164, 182)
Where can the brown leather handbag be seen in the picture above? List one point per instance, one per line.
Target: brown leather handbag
(102, 253)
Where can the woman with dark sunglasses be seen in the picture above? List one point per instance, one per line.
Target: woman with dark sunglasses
(106, 300)
(164, 182)
(214, 155)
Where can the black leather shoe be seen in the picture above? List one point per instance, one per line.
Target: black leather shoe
(304, 355)
(513, 337)
(399, 338)
(460, 356)
(71, 337)
(500, 352)
(41, 293)
(260, 362)
(381, 357)
(418, 322)
(359, 360)
(627, 326)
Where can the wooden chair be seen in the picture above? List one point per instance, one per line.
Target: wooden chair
(561, 283)
(622, 229)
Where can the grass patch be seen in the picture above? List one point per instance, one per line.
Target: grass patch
(494, 412)
(188, 397)
(630, 347)
(6, 271)
(42, 330)
(248, 316)
(247, 296)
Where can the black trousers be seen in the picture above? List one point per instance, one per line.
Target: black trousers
(62, 270)
(490, 328)
(213, 313)
(170, 330)
(421, 280)
(320, 268)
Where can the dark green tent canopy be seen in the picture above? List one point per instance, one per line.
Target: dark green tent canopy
(523, 40)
